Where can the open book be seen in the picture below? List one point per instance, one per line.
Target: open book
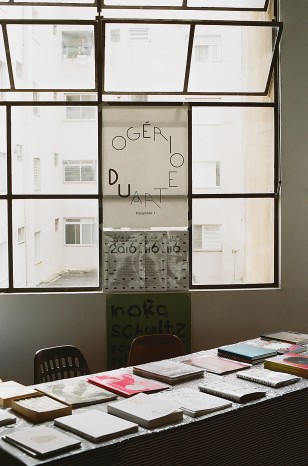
(96, 426)
(146, 410)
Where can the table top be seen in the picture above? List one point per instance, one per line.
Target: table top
(146, 434)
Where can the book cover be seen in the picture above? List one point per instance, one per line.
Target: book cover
(246, 351)
(96, 426)
(75, 392)
(40, 408)
(192, 402)
(287, 336)
(126, 384)
(168, 371)
(231, 391)
(268, 377)
(292, 363)
(41, 441)
(216, 365)
(10, 390)
(6, 418)
(146, 410)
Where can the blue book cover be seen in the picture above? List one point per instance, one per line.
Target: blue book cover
(246, 351)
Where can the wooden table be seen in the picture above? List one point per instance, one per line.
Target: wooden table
(271, 431)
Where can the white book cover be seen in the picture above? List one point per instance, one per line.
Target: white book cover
(146, 410)
(96, 425)
(192, 402)
(41, 441)
(232, 391)
(11, 389)
(6, 418)
(166, 370)
(268, 377)
(75, 391)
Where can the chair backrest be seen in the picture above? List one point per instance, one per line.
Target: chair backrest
(149, 348)
(59, 362)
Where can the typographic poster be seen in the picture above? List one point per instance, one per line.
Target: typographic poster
(145, 260)
(134, 314)
(145, 166)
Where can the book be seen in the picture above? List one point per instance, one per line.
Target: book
(192, 402)
(268, 377)
(10, 390)
(146, 410)
(6, 418)
(245, 352)
(41, 441)
(292, 363)
(216, 365)
(96, 426)
(75, 392)
(170, 372)
(282, 347)
(126, 384)
(232, 391)
(41, 408)
(287, 336)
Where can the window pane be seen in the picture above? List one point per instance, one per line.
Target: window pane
(244, 253)
(231, 58)
(4, 275)
(53, 61)
(56, 257)
(235, 155)
(72, 142)
(3, 156)
(145, 166)
(150, 63)
(227, 3)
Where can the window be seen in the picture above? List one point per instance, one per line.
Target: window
(80, 113)
(18, 151)
(206, 174)
(21, 235)
(139, 34)
(37, 247)
(115, 35)
(57, 224)
(207, 48)
(80, 231)
(37, 174)
(79, 171)
(207, 237)
(77, 43)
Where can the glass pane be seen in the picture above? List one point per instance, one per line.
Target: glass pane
(145, 166)
(4, 274)
(231, 58)
(64, 261)
(233, 150)
(61, 144)
(58, 58)
(4, 75)
(245, 228)
(152, 55)
(144, 2)
(227, 3)
(3, 154)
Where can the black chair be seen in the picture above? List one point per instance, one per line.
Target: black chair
(59, 362)
(149, 348)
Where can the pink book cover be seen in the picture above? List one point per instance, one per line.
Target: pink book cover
(126, 384)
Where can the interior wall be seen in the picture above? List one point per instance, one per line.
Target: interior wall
(29, 322)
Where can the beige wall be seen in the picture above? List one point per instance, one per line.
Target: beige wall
(30, 322)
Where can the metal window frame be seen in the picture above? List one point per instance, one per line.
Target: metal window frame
(102, 97)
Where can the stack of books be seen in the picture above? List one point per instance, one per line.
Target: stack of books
(287, 336)
(246, 353)
(12, 390)
(170, 372)
(292, 363)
